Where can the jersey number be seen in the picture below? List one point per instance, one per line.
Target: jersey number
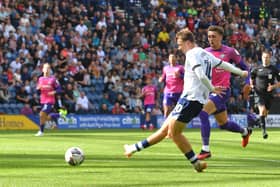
(178, 108)
(208, 68)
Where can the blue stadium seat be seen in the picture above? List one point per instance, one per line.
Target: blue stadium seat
(93, 81)
(19, 105)
(8, 111)
(6, 105)
(13, 105)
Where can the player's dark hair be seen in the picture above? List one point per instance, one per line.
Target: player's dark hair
(185, 35)
(266, 51)
(217, 29)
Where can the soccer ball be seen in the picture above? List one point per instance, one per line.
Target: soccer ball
(74, 156)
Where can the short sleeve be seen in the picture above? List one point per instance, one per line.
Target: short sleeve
(235, 56)
(208, 56)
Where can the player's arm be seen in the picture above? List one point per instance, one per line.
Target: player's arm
(162, 77)
(204, 79)
(253, 77)
(56, 88)
(277, 84)
(180, 73)
(238, 60)
(231, 68)
(38, 87)
(198, 70)
(143, 91)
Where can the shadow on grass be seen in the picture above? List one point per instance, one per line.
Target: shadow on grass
(190, 182)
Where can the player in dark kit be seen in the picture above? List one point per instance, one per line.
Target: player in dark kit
(264, 80)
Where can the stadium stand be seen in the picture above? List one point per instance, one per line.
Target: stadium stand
(87, 40)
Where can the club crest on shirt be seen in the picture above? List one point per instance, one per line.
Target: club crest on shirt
(222, 56)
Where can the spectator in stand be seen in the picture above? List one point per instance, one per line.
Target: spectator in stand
(82, 104)
(232, 105)
(15, 65)
(26, 110)
(81, 28)
(105, 99)
(163, 38)
(35, 102)
(40, 33)
(181, 21)
(118, 109)
(120, 99)
(69, 98)
(157, 110)
(241, 104)
(104, 109)
(4, 93)
(22, 95)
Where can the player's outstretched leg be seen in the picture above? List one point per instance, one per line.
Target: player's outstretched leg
(245, 138)
(39, 133)
(129, 150)
(205, 136)
(198, 165)
(234, 127)
(252, 120)
(263, 125)
(204, 155)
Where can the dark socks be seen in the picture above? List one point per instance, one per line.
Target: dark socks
(262, 121)
(54, 116)
(205, 127)
(142, 145)
(42, 127)
(191, 157)
(232, 126)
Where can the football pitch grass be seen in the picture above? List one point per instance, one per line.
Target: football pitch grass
(27, 161)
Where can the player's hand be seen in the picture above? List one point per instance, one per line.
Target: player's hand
(51, 93)
(270, 87)
(246, 91)
(219, 90)
(245, 74)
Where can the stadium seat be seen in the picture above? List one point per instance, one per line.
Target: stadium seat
(93, 81)
(19, 105)
(6, 105)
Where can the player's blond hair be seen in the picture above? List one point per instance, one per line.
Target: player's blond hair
(185, 35)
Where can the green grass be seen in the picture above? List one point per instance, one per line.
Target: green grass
(30, 161)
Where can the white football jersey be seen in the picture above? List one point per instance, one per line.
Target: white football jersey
(194, 89)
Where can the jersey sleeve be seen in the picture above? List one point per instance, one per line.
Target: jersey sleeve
(235, 56)
(182, 69)
(211, 58)
(143, 91)
(253, 73)
(164, 73)
(38, 83)
(56, 83)
(277, 74)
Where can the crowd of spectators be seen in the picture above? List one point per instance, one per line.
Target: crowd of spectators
(101, 50)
